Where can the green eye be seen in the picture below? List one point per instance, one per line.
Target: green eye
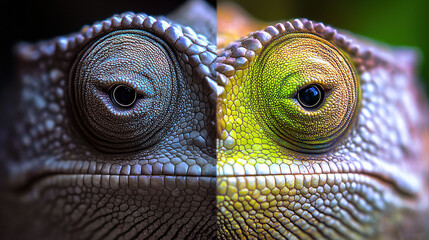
(305, 92)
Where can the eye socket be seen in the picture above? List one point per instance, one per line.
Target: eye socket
(286, 89)
(130, 70)
(311, 96)
(123, 96)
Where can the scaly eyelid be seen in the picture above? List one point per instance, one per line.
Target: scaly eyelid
(292, 94)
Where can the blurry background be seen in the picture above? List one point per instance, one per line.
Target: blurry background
(395, 22)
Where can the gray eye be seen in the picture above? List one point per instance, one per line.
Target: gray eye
(125, 90)
(123, 96)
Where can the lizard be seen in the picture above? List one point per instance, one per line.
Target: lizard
(114, 132)
(322, 134)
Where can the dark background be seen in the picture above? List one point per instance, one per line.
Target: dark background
(395, 22)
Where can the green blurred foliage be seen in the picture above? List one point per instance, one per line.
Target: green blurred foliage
(395, 22)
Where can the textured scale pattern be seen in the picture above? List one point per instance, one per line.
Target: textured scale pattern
(267, 191)
(65, 185)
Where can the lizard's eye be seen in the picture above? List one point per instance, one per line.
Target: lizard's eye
(124, 91)
(123, 96)
(305, 92)
(311, 97)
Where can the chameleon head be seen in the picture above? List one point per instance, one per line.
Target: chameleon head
(311, 143)
(116, 135)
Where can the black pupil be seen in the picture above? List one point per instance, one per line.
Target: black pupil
(311, 96)
(123, 96)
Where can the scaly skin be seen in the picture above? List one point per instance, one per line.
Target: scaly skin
(80, 167)
(353, 168)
